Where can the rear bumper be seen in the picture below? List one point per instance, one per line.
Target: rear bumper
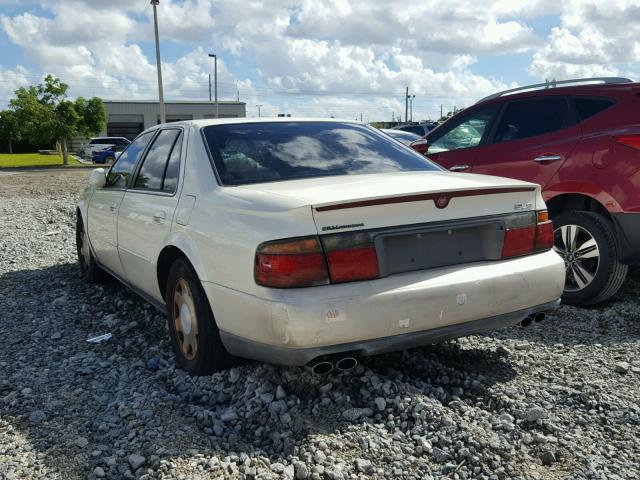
(627, 227)
(243, 347)
(427, 304)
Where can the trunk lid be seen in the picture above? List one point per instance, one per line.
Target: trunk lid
(358, 202)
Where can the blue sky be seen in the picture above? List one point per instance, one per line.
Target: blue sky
(315, 57)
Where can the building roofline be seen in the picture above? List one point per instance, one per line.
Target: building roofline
(181, 102)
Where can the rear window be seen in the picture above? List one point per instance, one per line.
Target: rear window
(265, 152)
(102, 141)
(588, 107)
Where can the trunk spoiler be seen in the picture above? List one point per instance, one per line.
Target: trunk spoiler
(441, 199)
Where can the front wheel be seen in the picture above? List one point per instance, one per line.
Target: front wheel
(194, 334)
(89, 268)
(587, 244)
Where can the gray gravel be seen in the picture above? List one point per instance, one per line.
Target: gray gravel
(556, 400)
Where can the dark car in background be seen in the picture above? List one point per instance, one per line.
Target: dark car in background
(406, 138)
(580, 140)
(420, 129)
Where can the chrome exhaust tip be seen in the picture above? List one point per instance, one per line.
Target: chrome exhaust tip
(540, 316)
(346, 364)
(322, 368)
(526, 322)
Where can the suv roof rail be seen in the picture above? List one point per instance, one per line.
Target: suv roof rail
(554, 83)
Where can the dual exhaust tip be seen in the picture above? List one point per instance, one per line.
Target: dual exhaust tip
(325, 366)
(536, 317)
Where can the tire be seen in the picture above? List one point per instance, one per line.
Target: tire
(89, 268)
(594, 273)
(195, 337)
(109, 160)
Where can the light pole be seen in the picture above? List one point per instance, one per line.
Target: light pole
(258, 110)
(163, 117)
(215, 79)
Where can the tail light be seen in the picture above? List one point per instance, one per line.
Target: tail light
(632, 141)
(302, 262)
(420, 146)
(527, 233)
(291, 263)
(351, 257)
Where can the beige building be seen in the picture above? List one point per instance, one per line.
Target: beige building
(127, 118)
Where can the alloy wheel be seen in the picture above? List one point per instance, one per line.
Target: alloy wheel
(185, 319)
(580, 253)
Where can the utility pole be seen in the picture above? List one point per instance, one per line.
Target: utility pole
(163, 117)
(258, 110)
(215, 79)
(411, 107)
(440, 110)
(238, 92)
(209, 88)
(406, 106)
(360, 116)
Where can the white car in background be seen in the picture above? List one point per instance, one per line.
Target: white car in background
(100, 143)
(312, 242)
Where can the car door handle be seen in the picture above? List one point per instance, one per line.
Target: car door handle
(159, 217)
(548, 158)
(458, 168)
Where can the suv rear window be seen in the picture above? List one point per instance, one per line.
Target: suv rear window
(264, 152)
(529, 118)
(588, 107)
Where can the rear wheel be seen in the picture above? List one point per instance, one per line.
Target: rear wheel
(90, 270)
(194, 334)
(587, 243)
(109, 160)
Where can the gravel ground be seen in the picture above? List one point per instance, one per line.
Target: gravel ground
(556, 400)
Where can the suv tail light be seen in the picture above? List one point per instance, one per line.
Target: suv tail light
(351, 257)
(527, 233)
(291, 263)
(632, 141)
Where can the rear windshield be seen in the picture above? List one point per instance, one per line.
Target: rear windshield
(102, 141)
(266, 152)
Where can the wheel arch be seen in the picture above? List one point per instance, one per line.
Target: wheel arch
(178, 247)
(567, 202)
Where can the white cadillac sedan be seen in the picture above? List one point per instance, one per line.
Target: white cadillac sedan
(312, 242)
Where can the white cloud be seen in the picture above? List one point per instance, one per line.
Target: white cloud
(286, 49)
(594, 39)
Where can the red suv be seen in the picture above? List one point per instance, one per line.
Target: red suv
(580, 140)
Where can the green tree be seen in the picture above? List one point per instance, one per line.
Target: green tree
(10, 128)
(47, 115)
(93, 116)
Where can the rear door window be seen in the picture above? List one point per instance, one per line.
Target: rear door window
(125, 164)
(465, 133)
(588, 106)
(533, 117)
(153, 168)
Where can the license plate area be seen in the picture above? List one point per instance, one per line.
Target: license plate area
(438, 246)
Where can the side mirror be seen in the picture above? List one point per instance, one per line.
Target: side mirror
(97, 178)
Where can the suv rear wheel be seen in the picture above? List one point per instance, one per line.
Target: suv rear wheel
(587, 243)
(194, 334)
